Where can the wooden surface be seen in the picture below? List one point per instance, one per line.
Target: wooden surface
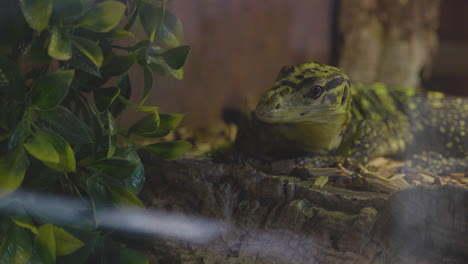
(280, 219)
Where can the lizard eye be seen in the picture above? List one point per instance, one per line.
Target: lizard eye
(315, 92)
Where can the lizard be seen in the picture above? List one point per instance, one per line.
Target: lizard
(314, 110)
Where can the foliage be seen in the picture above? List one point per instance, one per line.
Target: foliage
(63, 81)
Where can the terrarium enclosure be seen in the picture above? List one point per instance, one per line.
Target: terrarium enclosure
(154, 131)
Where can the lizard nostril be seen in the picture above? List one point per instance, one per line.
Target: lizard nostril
(277, 106)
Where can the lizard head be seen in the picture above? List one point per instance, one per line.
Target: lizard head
(306, 92)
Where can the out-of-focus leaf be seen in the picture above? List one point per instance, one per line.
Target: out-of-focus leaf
(66, 8)
(170, 31)
(167, 123)
(176, 57)
(16, 139)
(144, 44)
(130, 256)
(91, 240)
(49, 90)
(45, 243)
(100, 197)
(123, 83)
(60, 46)
(150, 18)
(14, 25)
(67, 125)
(66, 243)
(158, 64)
(41, 147)
(118, 65)
(120, 34)
(169, 150)
(111, 134)
(148, 79)
(81, 62)
(135, 179)
(13, 166)
(115, 166)
(147, 125)
(11, 79)
(37, 53)
(67, 161)
(25, 221)
(104, 97)
(161, 62)
(123, 196)
(103, 17)
(16, 246)
(37, 13)
(90, 49)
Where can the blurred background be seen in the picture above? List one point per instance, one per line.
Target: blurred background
(239, 46)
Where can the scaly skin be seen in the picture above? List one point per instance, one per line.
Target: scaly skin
(313, 109)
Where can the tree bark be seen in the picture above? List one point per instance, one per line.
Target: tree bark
(281, 219)
(388, 41)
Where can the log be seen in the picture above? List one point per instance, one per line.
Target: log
(283, 219)
(388, 41)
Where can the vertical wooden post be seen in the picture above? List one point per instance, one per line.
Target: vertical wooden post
(388, 40)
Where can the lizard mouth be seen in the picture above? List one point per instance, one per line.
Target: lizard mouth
(297, 115)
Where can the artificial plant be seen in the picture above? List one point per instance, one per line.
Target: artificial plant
(63, 81)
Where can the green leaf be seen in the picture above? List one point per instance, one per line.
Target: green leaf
(25, 221)
(16, 246)
(91, 240)
(37, 53)
(50, 89)
(102, 17)
(45, 243)
(13, 166)
(67, 161)
(148, 79)
(60, 46)
(148, 124)
(150, 18)
(11, 112)
(37, 13)
(159, 62)
(135, 179)
(117, 167)
(11, 79)
(104, 97)
(170, 30)
(130, 256)
(67, 8)
(118, 34)
(111, 134)
(123, 196)
(16, 139)
(169, 150)
(167, 123)
(41, 147)
(113, 163)
(98, 193)
(65, 242)
(90, 49)
(13, 28)
(118, 65)
(123, 83)
(176, 57)
(82, 62)
(66, 124)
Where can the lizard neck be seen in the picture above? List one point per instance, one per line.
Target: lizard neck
(317, 137)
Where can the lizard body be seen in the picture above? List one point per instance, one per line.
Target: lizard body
(313, 109)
